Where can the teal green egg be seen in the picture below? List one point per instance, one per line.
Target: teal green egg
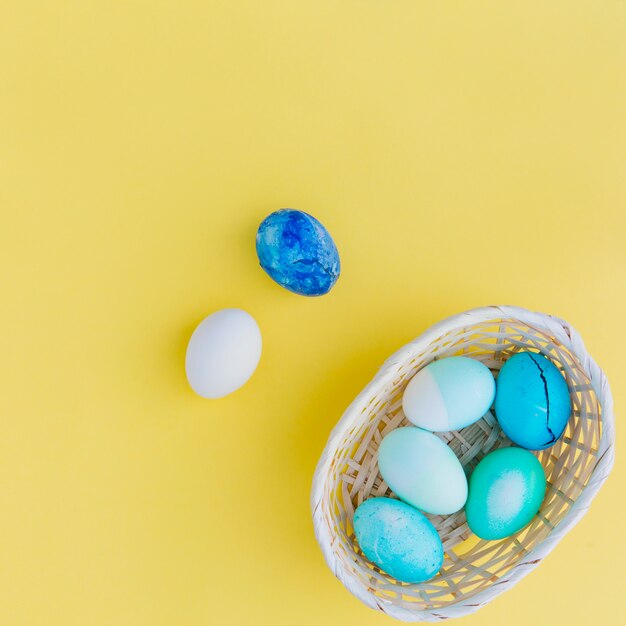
(398, 539)
(505, 492)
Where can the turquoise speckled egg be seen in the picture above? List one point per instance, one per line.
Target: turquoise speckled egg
(422, 470)
(449, 394)
(532, 401)
(399, 539)
(505, 492)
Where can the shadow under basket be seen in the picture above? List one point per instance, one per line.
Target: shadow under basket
(474, 571)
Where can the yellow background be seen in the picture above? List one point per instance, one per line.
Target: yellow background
(461, 154)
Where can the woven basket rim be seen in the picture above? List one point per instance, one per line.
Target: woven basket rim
(566, 335)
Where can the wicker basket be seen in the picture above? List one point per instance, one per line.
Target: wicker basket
(474, 571)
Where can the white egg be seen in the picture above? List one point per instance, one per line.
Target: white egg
(223, 353)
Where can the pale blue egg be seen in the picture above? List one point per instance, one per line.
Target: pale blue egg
(505, 492)
(398, 539)
(422, 470)
(449, 394)
(532, 401)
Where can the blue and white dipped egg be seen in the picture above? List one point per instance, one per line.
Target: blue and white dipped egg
(449, 394)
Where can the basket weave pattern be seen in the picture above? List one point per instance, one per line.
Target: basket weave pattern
(474, 571)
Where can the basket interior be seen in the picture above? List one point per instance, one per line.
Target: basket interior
(470, 564)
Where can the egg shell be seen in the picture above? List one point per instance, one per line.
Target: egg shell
(533, 403)
(223, 353)
(449, 394)
(399, 539)
(422, 470)
(297, 252)
(505, 492)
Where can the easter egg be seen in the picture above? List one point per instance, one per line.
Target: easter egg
(399, 539)
(532, 401)
(223, 352)
(505, 492)
(422, 470)
(449, 394)
(298, 252)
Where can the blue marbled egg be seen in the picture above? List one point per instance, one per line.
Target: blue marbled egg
(532, 401)
(298, 252)
(399, 539)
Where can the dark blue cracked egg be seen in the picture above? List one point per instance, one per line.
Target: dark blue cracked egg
(298, 252)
